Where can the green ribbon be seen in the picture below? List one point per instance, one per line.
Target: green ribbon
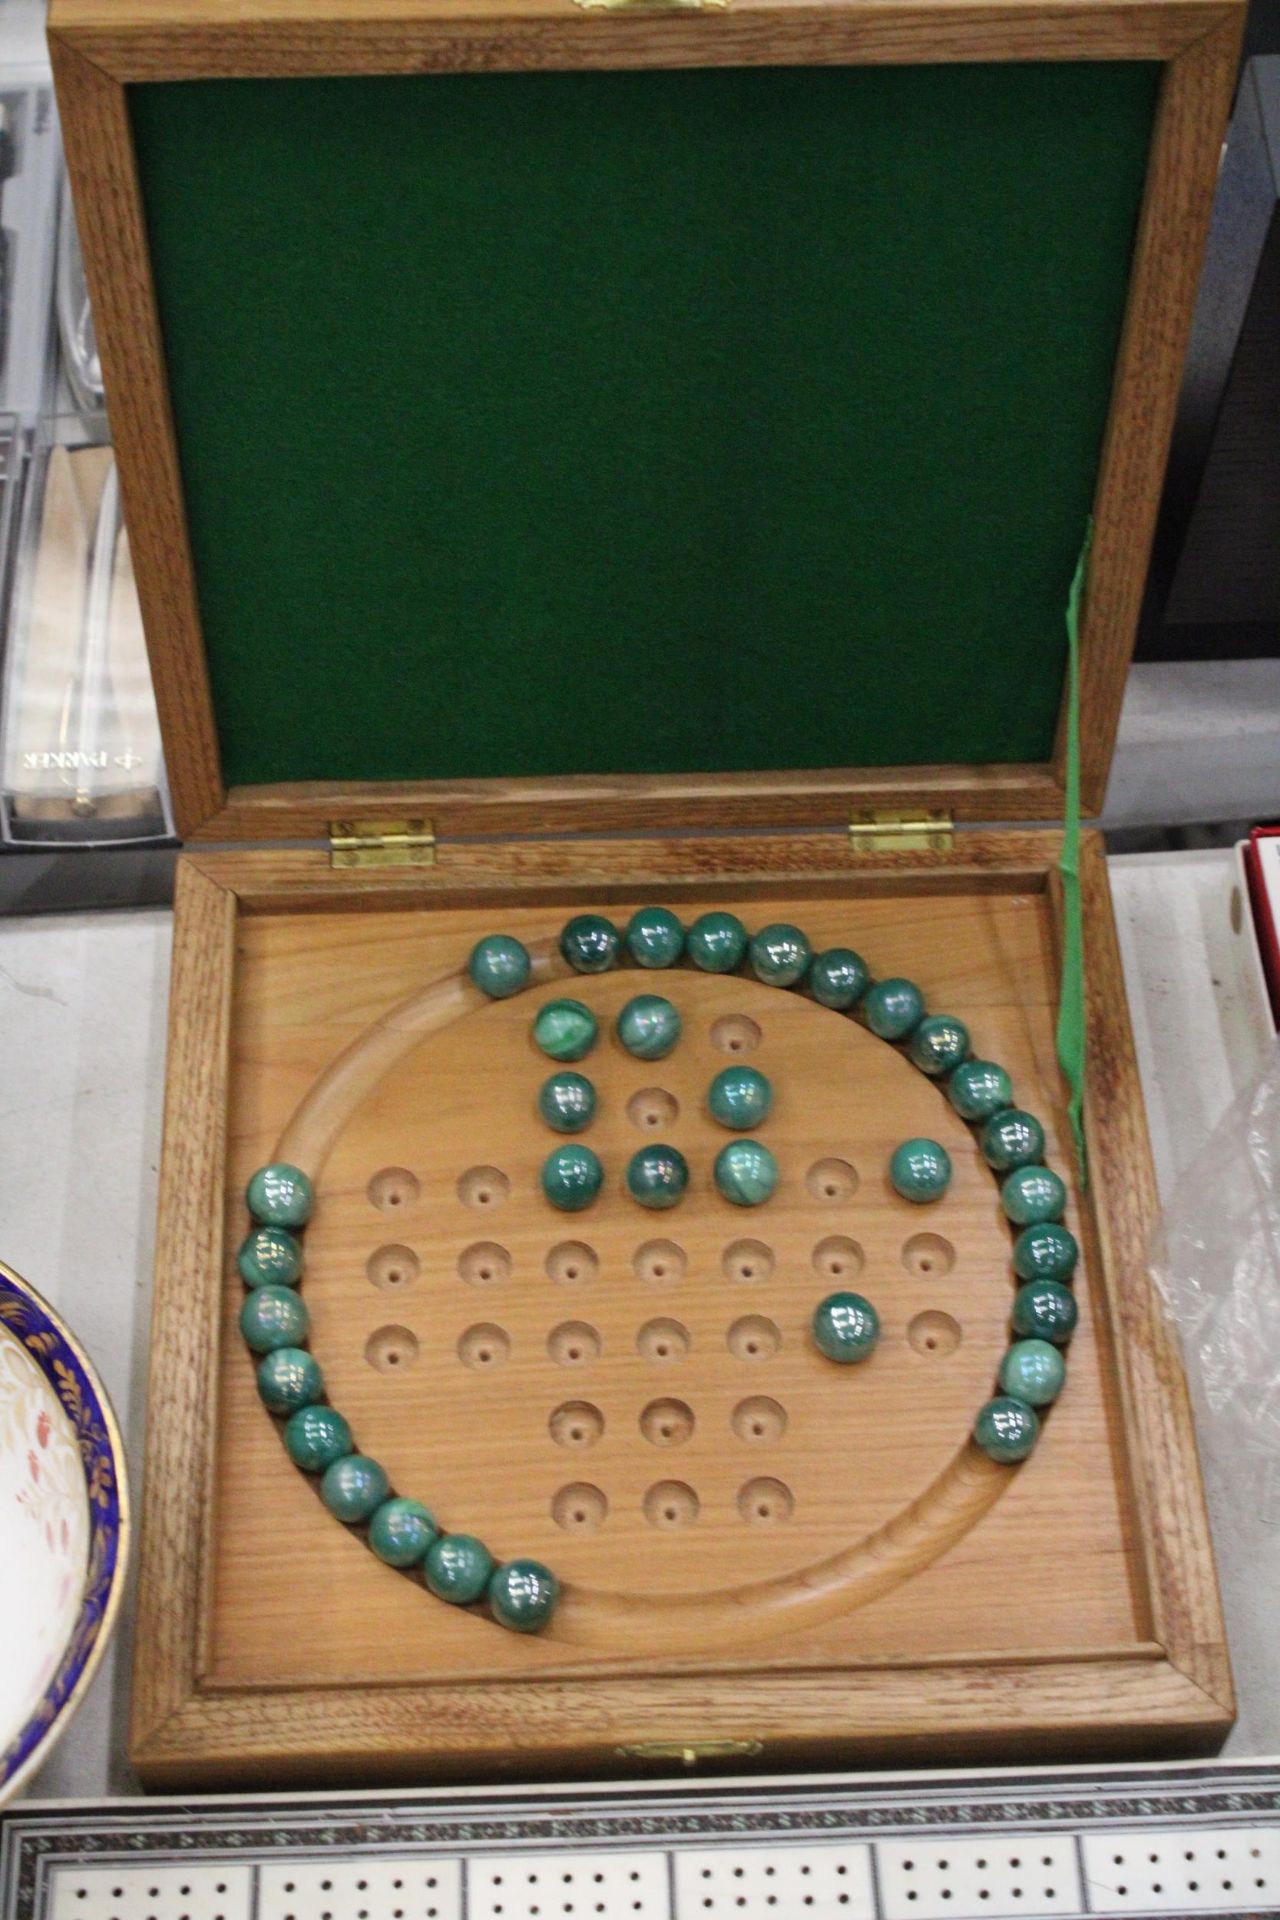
(1071, 1021)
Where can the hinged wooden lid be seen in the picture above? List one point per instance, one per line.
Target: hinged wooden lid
(531, 418)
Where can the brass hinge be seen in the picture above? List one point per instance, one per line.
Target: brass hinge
(893, 830)
(382, 843)
(689, 1753)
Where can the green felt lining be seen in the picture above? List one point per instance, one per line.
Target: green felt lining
(703, 420)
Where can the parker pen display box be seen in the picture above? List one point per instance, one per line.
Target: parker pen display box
(729, 390)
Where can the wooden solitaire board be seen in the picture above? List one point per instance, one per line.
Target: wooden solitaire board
(759, 1550)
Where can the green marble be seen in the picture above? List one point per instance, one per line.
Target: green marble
(1011, 1139)
(564, 1029)
(779, 954)
(654, 937)
(1006, 1430)
(838, 978)
(280, 1196)
(352, 1487)
(1045, 1253)
(571, 1178)
(649, 1027)
(846, 1327)
(270, 1257)
(590, 943)
(1045, 1310)
(499, 965)
(273, 1317)
(315, 1437)
(979, 1088)
(657, 1176)
(716, 942)
(893, 1008)
(739, 1097)
(920, 1170)
(522, 1595)
(400, 1531)
(567, 1102)
(458, 1568)
(938, 1045)
(745, 1173)
(1033, 1371)
(289, 1378)
(1033, 1196)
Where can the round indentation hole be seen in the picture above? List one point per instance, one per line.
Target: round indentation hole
(576, 1425)
(831, 1181)
(483, 1188)
(759, 1419)
(573, 1343)
(652, 1108)
(735, 1033)
(753, 1337)
(662, 1340)
(485, 1264)
(571, 1263)
(484, 1346)
(392, 1267)
(934, 1333)
(928, 1256)
(671, 1504)
(393, 1189)
(579, 1508)
(838, 1258)
(747, 1260)
(391, 1349)
(765, 1503)
(660, 1262)
(667, 1423)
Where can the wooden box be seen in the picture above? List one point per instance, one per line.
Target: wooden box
(584, 455)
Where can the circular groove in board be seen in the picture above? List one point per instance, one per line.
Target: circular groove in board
(712, 1580)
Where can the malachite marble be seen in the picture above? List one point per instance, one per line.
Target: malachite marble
(400, 1531)
(458, 1568)
(289, 1378)
(779, 954)
(1033, 1196)
(280, 1196)
(657, 1176)
(979, 1088)
(352, 1487)
(1045, 1253)
(273, 1317)
(571, 1178)
(499, 966)
(938, 1045)
(846, 1327)
(1006, 1430)
(838, 978)
(920, 1170)
(654, 937)
(649, 1027)
(745, 1173)
(590, 943)
(564, 1029)
(522, 1595)
(270, 1257)
(567, 1102)
(1045, 1310)
(1011, 1139)
(739, 1097)
(893, 1008)
(1034, 1372)
(716, 942)
(315, 1437)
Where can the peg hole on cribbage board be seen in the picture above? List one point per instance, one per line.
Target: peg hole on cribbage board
(633, 1397)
